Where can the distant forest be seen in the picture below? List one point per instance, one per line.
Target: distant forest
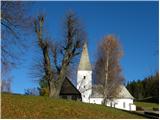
(146, 90)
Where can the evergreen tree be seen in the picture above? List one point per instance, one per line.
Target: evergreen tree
(146, 88)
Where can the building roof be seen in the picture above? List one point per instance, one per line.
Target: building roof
(123, 92)
(68, 88)
(84, 61)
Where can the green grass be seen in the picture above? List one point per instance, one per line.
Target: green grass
(147, 106)
(19, 106)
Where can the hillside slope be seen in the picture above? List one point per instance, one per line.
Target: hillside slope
(19, 106)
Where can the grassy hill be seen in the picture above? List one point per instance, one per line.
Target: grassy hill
(19, 106)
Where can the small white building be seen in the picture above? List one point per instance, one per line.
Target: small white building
(89, 93)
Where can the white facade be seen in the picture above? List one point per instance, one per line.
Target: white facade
(125, 104)
(96, 100)
(84, 84)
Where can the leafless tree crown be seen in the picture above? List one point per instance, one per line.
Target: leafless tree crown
(108, 70)
(58, 57)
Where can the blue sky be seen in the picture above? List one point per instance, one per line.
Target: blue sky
(135, 24)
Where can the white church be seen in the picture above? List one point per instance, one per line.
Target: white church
(124, 100)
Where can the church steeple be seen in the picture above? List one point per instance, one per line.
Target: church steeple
(84, 75)
(84, 61)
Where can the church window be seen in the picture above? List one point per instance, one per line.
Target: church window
(84, 86)
(84, 77)
(83, 95)
(124, 105)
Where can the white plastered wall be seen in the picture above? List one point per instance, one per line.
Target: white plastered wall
(84, 84)
(96, 100)
(125, 104)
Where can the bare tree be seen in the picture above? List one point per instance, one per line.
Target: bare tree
(108, 71)
(15, 23)
(56, 60)
(6, 85)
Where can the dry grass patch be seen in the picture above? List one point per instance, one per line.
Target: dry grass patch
(19, 106)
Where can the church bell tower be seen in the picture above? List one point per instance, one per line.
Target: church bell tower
(84, 75)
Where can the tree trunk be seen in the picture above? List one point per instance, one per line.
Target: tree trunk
(56, 85)
(53, 90)
(106, 81)
(61, 79)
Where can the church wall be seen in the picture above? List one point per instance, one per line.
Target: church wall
(125, 104)
(96, 100)
(84, 84)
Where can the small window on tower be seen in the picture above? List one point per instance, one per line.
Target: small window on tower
(84, 86)
(84, 77)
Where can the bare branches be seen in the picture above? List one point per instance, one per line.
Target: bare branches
(15, 23)
(108, 71)
(44, 46)
(57, 60)
(75, 36)
(54, 50)
(6, 84)
(38, 29)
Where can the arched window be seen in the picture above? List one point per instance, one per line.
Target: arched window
(84, 77)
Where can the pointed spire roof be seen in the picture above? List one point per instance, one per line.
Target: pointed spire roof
(84, 61)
